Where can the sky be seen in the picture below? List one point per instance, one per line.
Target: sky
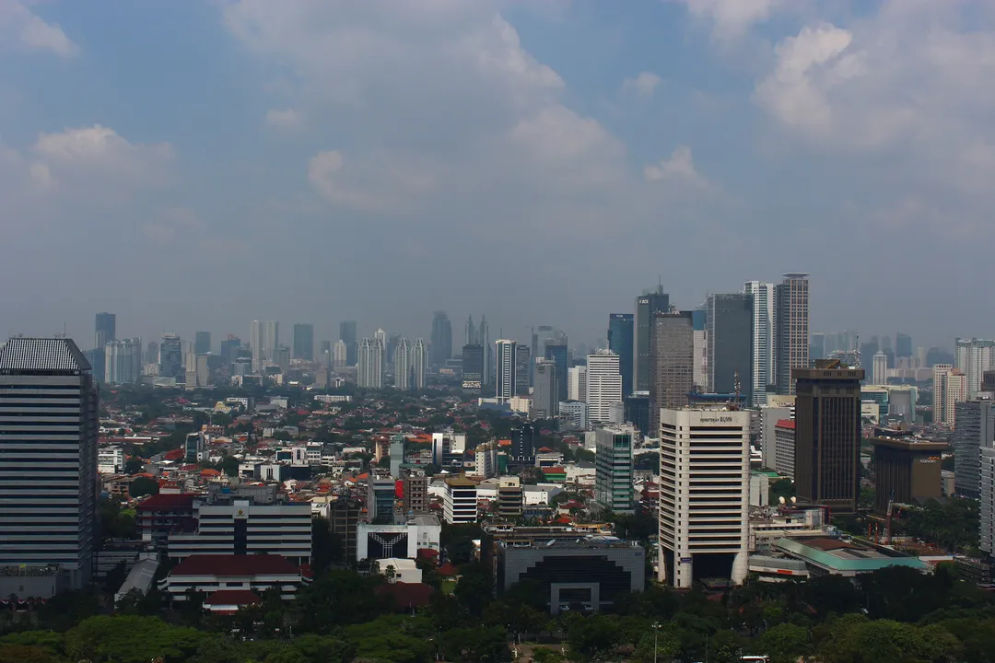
(200, 164)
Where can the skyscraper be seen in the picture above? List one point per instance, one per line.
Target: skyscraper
(470, 332)
(604, 385)
(484, 341)
(523, 369)
(370, 368)
(730, 344)
(790, 329)
(544, 397)
(613, 470)
(903, 345)
(123, 361)
(827, 434)
(419, 356)
(48, 467)
(647, 305)
(202, 342)
(340, 354)
(557, 353)
(473, 368)
(506, 369)
(171, 358)
(704, 495)
(879, 368)
(442, 339)
(303, 341)
(621, 336)
(672, 368)
(577, 382)
(949, 388)
(402, 364)
(523, 449)
(105, 325)
(762, 374)
(264, 337)
(347, 334)
(975, 432)
(974, 356)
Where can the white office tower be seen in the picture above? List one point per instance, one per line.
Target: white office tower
(763, 337)
(369, 371)
(340, 354)
(988, 500)
(949, 388)
(504, 388)
(879, 368)
(704, 495)
(264, 336)
(48, 467)
(402, 365)
(419, 356)
(973, 357)
(460, 503)
(577, 383)
(604, 385)
(123, 361)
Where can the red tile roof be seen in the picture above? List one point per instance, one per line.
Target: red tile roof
(168, 502)
(234, 565)
(175, 454)
(233, 597)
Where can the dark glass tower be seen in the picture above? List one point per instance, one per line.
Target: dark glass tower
(557, 353)
(347, 332)
(730, 344)
(202, 342)
(646, 306)
(621, 336)
(304, 341)
(442, 339)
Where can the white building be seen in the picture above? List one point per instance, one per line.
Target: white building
(398, 570)
(574, 414)
(704, 495)
(460, 501)
(402, 365)
(988, 500)
(376, 541)
(949, 388)
(264, 336)
(340, 354)
(769, 416)
(123, 361)
(506, 370)
(370, 369)
(110, 460)
(879, 368)
(604, 385)
(763, 337)
(207, 574)
(577, 383)
(419, 355)
(973, 357)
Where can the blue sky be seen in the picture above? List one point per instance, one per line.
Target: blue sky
(197, 165)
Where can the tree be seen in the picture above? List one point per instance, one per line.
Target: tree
(475, 644)
(785, 643)
(143, 486)
(130, 639)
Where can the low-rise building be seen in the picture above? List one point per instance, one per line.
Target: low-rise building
(460, 505)
(207, 574)
(375, 541)
(849, 558)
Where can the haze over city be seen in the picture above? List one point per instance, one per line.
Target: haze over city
(535, 162)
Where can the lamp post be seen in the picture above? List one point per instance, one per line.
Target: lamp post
(656, 633)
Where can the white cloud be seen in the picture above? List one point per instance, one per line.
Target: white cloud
(644, 84)
(24, 30)
(379, 183)
(731, 18)
(284, 118)
(678, 169)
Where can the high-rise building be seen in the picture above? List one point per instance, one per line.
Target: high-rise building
(827, 434)
(264, 337)
(577, 382)
(304, 341)
(506, 370)
(647, 305)
(442, 339)
(48, 467)
(473, 368)
(790, 329)
(613, 469)
(672, 365)
(949, 388)
(903, 345)
(523, 449)
(906, 468)
(621, 336)
(523, 369)
(460, 503)
(202, 342)
(557, 353)
(484, 341)
(704, 495)
(370, 368)
(730, 344)
(604, 385)
(171, 363)
(105, 325)
(974, 356)
(340, 354)
(419, 357)
(879, 368)
(987, 506)
(975, 431)
(402, 364)
(763, 338)
(348, 335)
(470, 332)
(229, 349)
(544, 397)
(123, 361)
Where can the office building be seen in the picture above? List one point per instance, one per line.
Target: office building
(591, 572)
(340, 355)
(123, 361)
(202, 342)
(419, 358)
(105, 326)
(557, 353)
(704, 495)
(402, 364)
(604, 385)
(484, 341)
(636, 411)
(906, 468)
(403, 540)
(473, 367)
(370, 367)
(348, 335)
(523, 369)
(545, 399)
(507, 369)
(264, 337)
(949, 388)
(573, 415)
(769, 417)
(230, 580)
(613, 470)
(647, 306)
(460, 503)
(447, 449)
(730, 344)
(303, 341)
(879, 368)
(672, 351)
(827, 435)
(790, 329)
(171, 363)
(784, 448)
(414, 488)
(441, 346)
(509, 498)
(972, 357)
(699, 345)
(470, 332)
(621, 337)
(577, 382)
(380, 500)
(523, 450)
(48, 467)
(975, 431)
(762, 374)
(987, 501)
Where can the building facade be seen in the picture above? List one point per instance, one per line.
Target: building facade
(647, 306)
(613, 473)
(672, 363)
(621, 339)
(303, 341)
(506, 370)
(762, 373)
(730, 344)
(975, 432)
(545, 399)
(791, 339)
(604, 385)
